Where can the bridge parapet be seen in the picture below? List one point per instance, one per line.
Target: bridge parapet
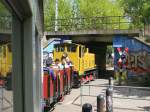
(91, 23)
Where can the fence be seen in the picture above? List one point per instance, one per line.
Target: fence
(1, 98)
(99, 23)
(125, 98)
(6, 104)
(5, 24)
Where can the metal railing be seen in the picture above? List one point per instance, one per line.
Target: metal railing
(6, 101)
(138, 98)
(5, 24)
(97, 23)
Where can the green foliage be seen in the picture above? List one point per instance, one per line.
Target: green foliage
(5, 18)
(90, 8)
(64, 11)
(87, 8)
(3, 10)
(138, 10)
(110, 49)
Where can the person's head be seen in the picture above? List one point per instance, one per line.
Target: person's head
(63, 60)
(57, 61)
(49, 61)
(67, 59)
(65, 54)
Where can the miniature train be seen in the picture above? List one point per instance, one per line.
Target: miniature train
(77, 66)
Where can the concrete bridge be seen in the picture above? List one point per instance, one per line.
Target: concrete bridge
(5, 24)
(5, 29)
(96, 33)
(99, 29)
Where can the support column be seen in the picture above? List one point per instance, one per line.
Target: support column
(32, 70)
(17, 70)
(100, 56)
(26, 66)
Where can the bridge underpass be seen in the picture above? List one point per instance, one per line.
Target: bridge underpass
(97, 44)
(95, 33)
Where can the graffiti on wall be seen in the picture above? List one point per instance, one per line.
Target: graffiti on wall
(138, 57)
(139, 62)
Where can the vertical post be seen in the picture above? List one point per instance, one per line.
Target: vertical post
(1, 98)
(109, 100)
(89, 90)
(81, 95)
(100, 103)
(111, 83)
(56, 15)
(87, 107)
(120, 78)
(119, 22)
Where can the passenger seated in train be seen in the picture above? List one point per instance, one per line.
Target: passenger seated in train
(49, 67)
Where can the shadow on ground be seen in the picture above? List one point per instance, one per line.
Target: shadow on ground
(146, 108)
(129, 91)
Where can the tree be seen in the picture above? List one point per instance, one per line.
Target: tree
(85, 9)
(64, 11)
(138, 10)
(103, 8)
(3, 10)
(5, 18)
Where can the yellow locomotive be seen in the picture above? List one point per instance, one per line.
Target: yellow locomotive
(6, 63)
(83, 61)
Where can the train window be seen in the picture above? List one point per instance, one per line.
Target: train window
(85, 50)
(62, 48)
(80, 51)
(71, 48)
(74, 48)
(57, 48)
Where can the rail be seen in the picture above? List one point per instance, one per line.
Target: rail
(91, 23)
(5, 24)
(138, 98)
(5, 103)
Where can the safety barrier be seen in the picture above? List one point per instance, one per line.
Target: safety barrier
(5, 103)
(100, 23)
(5, 24)
(127, 98)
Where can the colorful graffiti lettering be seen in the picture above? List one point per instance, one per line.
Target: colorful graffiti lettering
(139, 62)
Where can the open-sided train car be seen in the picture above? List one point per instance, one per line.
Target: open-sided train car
(59, 79)
(56, 83)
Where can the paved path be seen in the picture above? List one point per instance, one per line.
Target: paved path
(7, 104)
(130, 100)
